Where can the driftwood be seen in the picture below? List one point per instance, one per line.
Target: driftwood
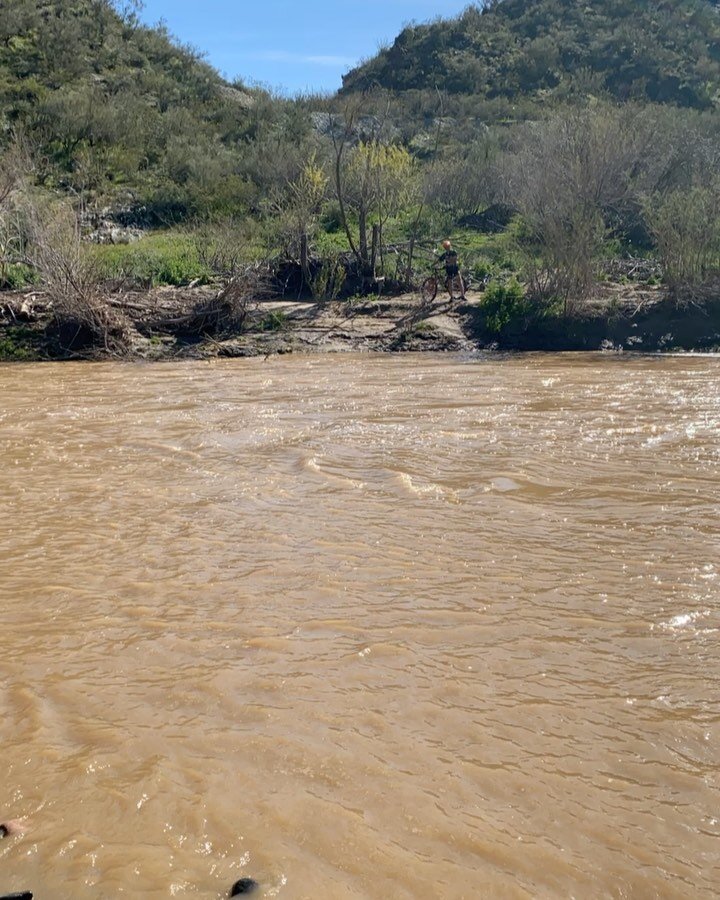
(21, 309)
(634, 269)
(224, 312)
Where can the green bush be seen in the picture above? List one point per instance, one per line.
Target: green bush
(331, 244)
(17, 344)
(331, 218)
(487, 254)
(505, 306)
(274, 321)
(481, 270)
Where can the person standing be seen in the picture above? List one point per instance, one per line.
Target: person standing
(452, 269)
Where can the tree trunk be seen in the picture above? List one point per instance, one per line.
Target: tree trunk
(304, 263)
(363, 239)
(374, 251)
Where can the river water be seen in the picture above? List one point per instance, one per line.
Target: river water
(362, 627)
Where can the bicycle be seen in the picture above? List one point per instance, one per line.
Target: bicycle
(454, 284)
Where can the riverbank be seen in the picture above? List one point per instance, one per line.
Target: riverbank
(162, 326)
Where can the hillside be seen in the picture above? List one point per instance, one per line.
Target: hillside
(660, 51)
(121, 115)
(113, 108)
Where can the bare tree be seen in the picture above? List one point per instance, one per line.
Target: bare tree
(297, 210)
(15, 166)
(373, 179)
(466, 181)
(686, 225)
(341, 133)
(571, 178)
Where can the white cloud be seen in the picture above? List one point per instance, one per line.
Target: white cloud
(304, 58)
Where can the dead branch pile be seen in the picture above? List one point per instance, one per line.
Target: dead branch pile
(634, 269)
(90, 326)
(685, 295)
(227, 312)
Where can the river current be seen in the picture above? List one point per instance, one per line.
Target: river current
(362, 627)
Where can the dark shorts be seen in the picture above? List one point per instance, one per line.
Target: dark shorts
(452, 271)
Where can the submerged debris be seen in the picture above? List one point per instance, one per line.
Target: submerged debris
(243, 886)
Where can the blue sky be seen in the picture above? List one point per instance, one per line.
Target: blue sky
(293, 45)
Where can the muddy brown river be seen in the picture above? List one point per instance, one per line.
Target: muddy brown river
(362, 627)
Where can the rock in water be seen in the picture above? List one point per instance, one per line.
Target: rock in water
(24, 895)
(244, 886)
(11, 827)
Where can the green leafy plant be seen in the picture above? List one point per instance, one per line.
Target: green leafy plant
(15, 276)
(505, 306)
(276, 320)
(17, 344)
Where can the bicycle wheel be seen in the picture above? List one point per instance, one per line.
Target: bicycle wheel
(429, 289)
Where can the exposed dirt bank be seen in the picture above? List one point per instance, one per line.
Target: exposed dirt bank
(625, 317)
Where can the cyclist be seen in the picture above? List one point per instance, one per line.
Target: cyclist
(452, 269)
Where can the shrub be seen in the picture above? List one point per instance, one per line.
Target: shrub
(274, 321)
(482, 270)
(505, 306)
(84, 319)
(225, 246)
(575, 179)
(331, 244)
(17, 343)
(686, 224)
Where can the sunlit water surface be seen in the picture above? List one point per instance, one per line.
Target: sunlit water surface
(362, 627)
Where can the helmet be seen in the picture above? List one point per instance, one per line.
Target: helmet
(447, 245)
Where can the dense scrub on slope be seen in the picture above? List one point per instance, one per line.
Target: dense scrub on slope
(116, 109)
(660, 51)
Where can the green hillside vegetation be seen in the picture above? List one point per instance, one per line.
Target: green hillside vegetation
(120, 112)
(656, 51)
(551, 139)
